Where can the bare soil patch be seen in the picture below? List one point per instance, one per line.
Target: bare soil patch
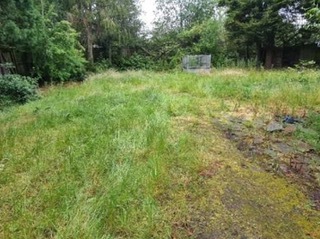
(272, 145)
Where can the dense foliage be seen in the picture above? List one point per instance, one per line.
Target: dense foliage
(266, 25)
(136, 62)
(187, 27)
(16, 89)
(107, 25)
(50, 46)
(63, 58)
(54, 37)
(48, 34)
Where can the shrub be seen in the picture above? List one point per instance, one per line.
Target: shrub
(100, 66)
(304, 64)
(136, 62)
(17, 89)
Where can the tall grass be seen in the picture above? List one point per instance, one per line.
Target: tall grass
(82, 149)
(121, 155)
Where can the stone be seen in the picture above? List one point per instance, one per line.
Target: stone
(304, 147)
(274, 126)
(258, 140)
(234, 119)
(271, 153)
(259, 123)
(290, 129)
(284, 169)
(283, 148)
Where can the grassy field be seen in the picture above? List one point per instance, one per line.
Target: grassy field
(136, 155)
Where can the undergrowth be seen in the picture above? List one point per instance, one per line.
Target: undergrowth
(311, 130)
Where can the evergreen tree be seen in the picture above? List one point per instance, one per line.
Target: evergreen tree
(50, 46)
(266, 24)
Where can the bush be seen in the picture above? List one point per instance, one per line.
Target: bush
(136, 62)
(17, 89)
(304, 64)
(100, 66)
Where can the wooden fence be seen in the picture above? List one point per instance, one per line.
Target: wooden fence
(10, 63)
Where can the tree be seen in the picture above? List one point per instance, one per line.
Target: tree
(16, 27)
(187, 27)
(267, 24)
(180, 15)
(312, 15)
(124, 36)
(63, 54)
(205, 38)
(51, 49)
(102, 22)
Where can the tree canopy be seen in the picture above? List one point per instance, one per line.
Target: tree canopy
(267, 24)
(59, 39)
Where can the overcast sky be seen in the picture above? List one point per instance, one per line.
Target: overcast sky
(148, 8)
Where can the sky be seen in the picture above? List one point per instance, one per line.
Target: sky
(148, 8)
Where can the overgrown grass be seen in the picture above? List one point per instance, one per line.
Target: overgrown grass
(134, 155)
(311, 131)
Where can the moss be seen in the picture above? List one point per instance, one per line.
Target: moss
(226, 199)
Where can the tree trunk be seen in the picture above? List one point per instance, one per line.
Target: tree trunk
(89, 45)
(180, 14)
(278, 58)
(246, 59)
(89, 37)
(42, 8)
(110, 53)
(259, 55)
(269, 58)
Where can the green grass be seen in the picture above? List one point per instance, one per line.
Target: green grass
(135, 155)
(311, 131)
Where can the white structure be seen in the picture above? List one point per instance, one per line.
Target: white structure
(197, 63)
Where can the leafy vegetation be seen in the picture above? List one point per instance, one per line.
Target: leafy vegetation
(235, 33)
(63, 59)
(136, 62)
(312, 134)
(135, 155)
(50, 45)
(17, 89)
